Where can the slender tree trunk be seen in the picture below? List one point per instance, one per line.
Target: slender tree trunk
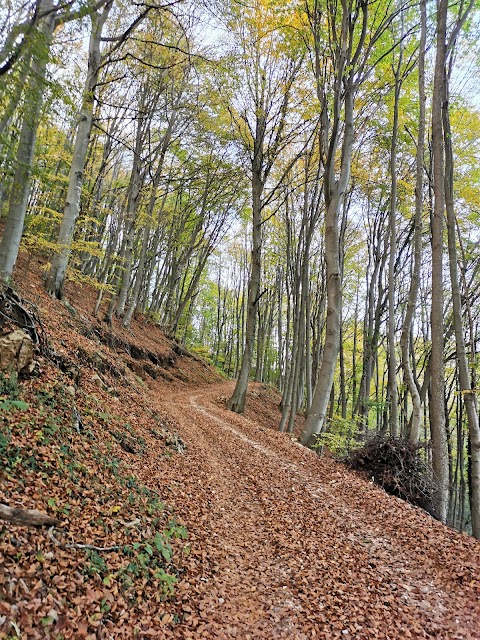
(468, 394)
(128, 253)
(289, 397)
(416, 417)
(191, 291)
(308, 345)
(334, 193)
(15, 97)
(437, 402)
(281, 378)
(56, 277)
(289, 400)
(318, 409)
(138, 278)
(392, 356)
(343, 390)
(6, 161)
(237, 401)
(17, 207)
(354, 351)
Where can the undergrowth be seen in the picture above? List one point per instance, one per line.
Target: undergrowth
(74, 474)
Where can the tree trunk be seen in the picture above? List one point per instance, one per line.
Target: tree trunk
(334, 193)
(468, 394)
(237, 401)
(392, 356)
(437, 401)
(416, 417)
(318, 409)
(56, 277)
(17, 207)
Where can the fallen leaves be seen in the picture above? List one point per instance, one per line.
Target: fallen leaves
(281, 544)
(295, 545)
(51, 474)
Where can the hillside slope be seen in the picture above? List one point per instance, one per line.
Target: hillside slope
(281, 544)
(69, 432)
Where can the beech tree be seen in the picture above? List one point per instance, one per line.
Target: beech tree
(34, 34)
(405, 340)
(56, 277)
(17, 206)
(340, 62)
(268, 71)
(278, 191)
(461, 354)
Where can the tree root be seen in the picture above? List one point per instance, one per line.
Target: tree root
(23, 314)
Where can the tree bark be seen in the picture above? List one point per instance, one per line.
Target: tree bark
(392, 355)
(416, 417)
(28, 517)
(437, 399)
(468, 394)
(334, 193)
(318, 409)
(17, 207)
(56, 277)
(237, 401)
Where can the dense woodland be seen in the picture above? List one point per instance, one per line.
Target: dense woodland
(290, 188)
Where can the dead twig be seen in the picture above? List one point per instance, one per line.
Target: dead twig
(78, 545)
(397, 465)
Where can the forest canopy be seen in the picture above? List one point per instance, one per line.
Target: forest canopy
(291, 189)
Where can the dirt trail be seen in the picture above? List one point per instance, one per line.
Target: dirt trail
(285, 545)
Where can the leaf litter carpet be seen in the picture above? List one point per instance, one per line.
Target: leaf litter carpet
(288, 545)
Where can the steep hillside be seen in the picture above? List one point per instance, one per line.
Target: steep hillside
(69, 432)
(171, 517)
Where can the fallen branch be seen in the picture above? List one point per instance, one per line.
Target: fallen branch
(28, 517)
(78, 545)
(396, 465)
(92, 547)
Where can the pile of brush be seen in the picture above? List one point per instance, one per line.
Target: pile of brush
(397, 465)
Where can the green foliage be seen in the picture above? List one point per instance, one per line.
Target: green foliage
(147, 555)
(202, 351)
(339, 436)
(9, 394)
(4, 441)
(9, 385)
(149, 560)
(7, 405)
(95, 564)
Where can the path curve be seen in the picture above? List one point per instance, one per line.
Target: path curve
(287, 545)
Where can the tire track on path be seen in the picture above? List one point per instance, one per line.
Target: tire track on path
(287, 554)
(367, 538)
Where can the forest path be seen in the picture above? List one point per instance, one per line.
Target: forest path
(287, 545)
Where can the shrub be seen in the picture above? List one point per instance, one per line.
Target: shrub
(339, 436)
